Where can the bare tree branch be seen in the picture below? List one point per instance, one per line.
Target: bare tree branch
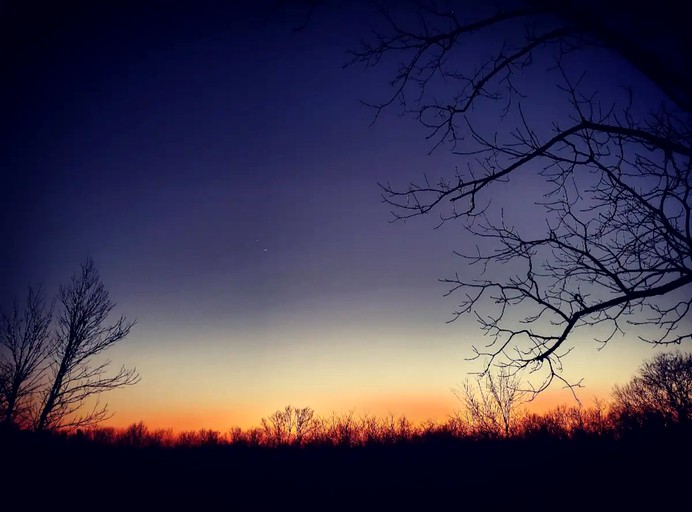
(24, 348)
(616, 250)
(81, 336)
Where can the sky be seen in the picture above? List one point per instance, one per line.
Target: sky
(221, 170)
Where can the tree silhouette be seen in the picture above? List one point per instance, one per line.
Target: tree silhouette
(292, 425)
(24, 348)
(613, 246)
(661, 390)
(75, 373)
(491, 404)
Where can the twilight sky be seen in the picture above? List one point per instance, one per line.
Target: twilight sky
(221, 171)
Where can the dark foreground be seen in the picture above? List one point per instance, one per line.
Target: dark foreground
(592, 474)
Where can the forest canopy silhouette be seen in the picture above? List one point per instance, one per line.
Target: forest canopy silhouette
(296, 453)
(656, 402)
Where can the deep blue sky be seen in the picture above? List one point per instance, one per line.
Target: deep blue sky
(197, 136)
(222, 172)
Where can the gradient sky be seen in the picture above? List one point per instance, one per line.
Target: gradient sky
(221, 171)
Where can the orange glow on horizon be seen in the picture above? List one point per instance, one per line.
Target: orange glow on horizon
(417, 409)
(550, 399)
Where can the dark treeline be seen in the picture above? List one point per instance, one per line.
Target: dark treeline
(281, 430)
(583, 456)
(657, 401)
(633, 450)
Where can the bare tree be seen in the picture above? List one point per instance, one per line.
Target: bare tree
(288, 426)
(662, 388)
(341, 429)
(278, 427)
(305, 423)
(24, 348)
(613, 248)
(492, 403)
(75, 372)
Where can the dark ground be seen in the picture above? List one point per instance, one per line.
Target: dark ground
(593, 474)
